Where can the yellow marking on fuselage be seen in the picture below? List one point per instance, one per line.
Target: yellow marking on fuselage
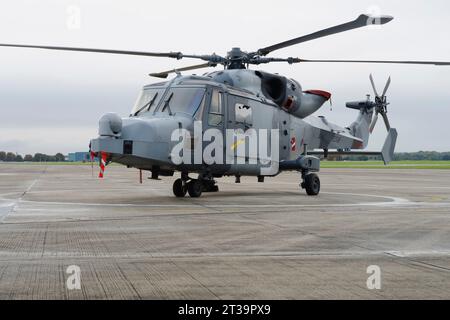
(237, 143)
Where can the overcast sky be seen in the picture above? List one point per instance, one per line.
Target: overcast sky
(51, 101)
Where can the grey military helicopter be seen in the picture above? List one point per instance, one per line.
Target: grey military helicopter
(241, 100)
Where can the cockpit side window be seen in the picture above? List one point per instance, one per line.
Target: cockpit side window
(199, 113)
(183, 100)
(215, 116)
(147, 101)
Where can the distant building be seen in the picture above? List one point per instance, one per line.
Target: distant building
(80, 157)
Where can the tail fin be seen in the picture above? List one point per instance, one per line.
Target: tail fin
(387, 153)
(361, 127)
(366, 121)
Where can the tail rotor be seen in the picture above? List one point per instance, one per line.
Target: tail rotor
(380, 105)
(369, 112)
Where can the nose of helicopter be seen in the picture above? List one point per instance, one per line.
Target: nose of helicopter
(138, 137)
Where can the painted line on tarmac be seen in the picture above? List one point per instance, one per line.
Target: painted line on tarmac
(12, 207)
(5, 210)
(249, 254)
(393, 201)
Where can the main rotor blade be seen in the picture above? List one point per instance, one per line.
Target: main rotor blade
(373, 86)
(362, 21)
(388, 83)
(165, 74)
(176, 55)
(435, 63)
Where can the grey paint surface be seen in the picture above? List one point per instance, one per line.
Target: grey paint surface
(155, 127)
(248, 241)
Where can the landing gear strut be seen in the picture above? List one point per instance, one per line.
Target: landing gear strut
(311, 183)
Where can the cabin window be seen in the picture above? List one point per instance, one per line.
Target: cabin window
(215, 116)
(243, 114)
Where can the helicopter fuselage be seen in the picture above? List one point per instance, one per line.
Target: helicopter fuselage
(245, 102)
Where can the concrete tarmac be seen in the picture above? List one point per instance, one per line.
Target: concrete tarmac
(249, 241)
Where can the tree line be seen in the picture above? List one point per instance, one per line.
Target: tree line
(401, 156)
(38, 157)
(406, 156)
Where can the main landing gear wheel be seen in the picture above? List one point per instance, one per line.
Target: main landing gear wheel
(195, 188)
(311, 184)
(210, 186)
(179, 189)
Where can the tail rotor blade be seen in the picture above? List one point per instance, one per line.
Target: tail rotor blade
(388, 83)
(373, 85)
(374, 122)
(386, 121)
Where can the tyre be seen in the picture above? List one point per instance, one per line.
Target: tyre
(209, 186)
(178, 189)
(312, 184)
(213, 189)
(195, 188)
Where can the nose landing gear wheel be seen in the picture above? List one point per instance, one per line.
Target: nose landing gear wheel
(179, 190)
(195, 188)
(311, 184)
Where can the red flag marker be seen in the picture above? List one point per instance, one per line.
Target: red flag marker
(104, 155)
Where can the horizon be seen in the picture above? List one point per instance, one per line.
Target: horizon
(87, 151)
(49, 98)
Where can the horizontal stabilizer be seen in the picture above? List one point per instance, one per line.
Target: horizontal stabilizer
(387, 153)
(345, 153)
